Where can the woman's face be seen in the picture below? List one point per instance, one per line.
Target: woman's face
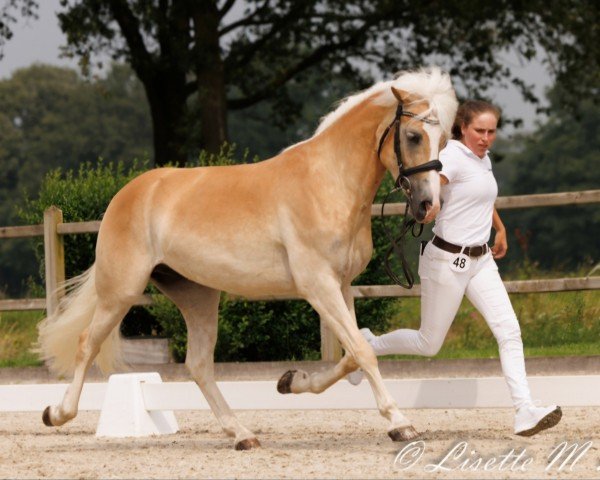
(479, 135)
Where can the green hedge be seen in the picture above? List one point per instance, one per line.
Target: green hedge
(248, 331)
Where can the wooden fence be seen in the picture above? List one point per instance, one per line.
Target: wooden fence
(53, 229)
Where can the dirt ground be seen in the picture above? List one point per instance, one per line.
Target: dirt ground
(306, 444)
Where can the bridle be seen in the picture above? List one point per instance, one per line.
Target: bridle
(403, 183)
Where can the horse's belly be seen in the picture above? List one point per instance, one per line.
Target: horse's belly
(249, 272)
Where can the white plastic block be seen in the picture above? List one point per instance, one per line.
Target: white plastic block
(124, 412)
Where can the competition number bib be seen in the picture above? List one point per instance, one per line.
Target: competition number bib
(460, 262)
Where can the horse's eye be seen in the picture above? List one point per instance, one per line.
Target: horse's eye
(414, 138)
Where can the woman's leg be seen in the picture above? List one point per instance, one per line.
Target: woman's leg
(442, 291)
(488, 294)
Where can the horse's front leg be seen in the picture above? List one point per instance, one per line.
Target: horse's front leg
(328, 300)
(316, 382)
(321, 381)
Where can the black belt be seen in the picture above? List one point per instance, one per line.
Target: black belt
(477, 251)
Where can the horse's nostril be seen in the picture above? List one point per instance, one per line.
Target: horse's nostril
(422, 209)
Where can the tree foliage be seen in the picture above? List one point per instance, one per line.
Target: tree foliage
(202, 59)
(256, 128)
(52, 118)
(8, 17)
(562, 155)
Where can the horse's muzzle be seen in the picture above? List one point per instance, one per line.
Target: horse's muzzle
(424, 206)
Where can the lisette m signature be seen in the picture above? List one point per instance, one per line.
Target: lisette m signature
(461, 457)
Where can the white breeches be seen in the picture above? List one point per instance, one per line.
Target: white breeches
(442, 291)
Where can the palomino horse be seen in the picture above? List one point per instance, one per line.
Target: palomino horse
(298, 224)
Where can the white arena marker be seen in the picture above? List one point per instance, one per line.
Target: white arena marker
(124, 413)
(483, 392)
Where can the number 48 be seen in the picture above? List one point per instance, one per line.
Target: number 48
(459, 262)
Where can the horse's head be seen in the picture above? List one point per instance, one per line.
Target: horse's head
(409, 147)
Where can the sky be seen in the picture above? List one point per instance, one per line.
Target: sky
(39, 41)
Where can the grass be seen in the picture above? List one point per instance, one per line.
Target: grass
(567, 350)
(17, 334)
(552, 324)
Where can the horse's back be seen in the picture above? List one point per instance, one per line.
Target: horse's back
(177, 192)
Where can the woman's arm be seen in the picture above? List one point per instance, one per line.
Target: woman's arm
(500, 244)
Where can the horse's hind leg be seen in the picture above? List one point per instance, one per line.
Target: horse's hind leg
(106, 317)
(113, 295)
(199, 306)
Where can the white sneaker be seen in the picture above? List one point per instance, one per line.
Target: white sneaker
(357, 375)
(531, 420)
(367, 334)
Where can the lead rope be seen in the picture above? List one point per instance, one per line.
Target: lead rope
(397, 245)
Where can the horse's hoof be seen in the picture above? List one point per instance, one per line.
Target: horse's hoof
(247, 444)
(403, 434)
(284, 385)
(46, 417)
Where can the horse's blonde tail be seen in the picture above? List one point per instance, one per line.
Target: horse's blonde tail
(59, 334)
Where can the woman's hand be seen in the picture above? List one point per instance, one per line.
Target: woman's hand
(500, 244)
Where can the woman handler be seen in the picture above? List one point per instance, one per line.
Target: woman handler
(458, 262)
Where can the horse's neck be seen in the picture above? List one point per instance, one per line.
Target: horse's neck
(350, 155)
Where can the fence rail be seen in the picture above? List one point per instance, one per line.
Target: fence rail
(53, 229)
(502, 203)
(516, 201)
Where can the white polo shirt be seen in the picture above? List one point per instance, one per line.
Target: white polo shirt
(466, 215)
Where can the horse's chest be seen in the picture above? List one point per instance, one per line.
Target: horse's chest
(351, 257)
(359, 258)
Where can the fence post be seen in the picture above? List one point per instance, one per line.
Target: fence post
(331, 349)
(54, 258)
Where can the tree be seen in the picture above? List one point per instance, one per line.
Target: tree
(204, 58)
(264, 135)
(51, 118)
(562, 155)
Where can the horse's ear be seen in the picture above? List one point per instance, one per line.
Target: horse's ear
(402, 95)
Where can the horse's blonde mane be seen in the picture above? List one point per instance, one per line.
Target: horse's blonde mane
(431, 84)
